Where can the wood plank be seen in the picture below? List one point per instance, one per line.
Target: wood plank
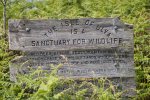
(69, 34)
(80, 63)
(86, 48)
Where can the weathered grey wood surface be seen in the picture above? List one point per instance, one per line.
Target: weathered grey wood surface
(69, 34)
(82, 63)
(86, 48)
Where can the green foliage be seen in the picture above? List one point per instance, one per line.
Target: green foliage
(36, 86)
(136, 12)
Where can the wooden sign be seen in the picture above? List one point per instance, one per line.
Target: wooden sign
(39, 35)
(101, 46)
(93, 47)
(87, 48)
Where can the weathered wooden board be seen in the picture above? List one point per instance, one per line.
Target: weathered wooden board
(79, 63)
(69, 34)
(86, 48)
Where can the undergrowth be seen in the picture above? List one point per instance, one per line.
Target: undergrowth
(48, 86)
(136, 12)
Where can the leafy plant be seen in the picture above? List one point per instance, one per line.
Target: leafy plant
(135, 12)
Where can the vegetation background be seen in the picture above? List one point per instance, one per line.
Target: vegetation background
(136, 12)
